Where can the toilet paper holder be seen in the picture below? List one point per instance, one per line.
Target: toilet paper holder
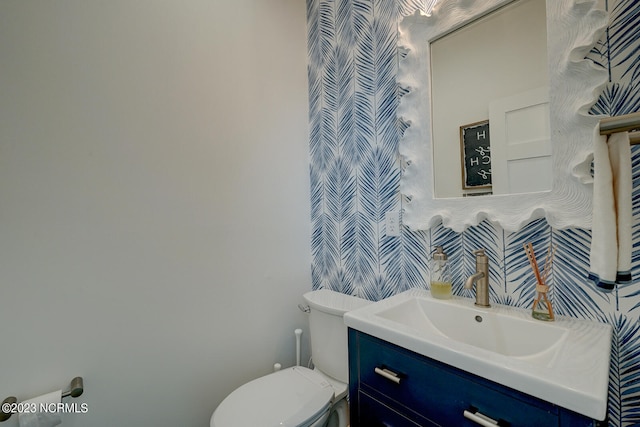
(7, 408)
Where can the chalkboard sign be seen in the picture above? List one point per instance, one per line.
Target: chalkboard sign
(476, 155)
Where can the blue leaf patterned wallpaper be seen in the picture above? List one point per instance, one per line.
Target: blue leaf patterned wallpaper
(355, 174)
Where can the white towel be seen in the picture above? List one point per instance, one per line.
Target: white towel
(610, 257)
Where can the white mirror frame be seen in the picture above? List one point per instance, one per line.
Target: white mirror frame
(573, 28)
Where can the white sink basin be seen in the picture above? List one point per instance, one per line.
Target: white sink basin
(490, 329)
(565, 362)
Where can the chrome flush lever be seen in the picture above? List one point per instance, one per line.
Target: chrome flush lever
(304, 308)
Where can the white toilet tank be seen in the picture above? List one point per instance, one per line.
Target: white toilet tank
(328, 331)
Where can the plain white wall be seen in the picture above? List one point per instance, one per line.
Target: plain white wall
(154, 201)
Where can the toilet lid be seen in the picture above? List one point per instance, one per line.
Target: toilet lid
(290, 397)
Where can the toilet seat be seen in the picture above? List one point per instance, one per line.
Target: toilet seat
(292, 397)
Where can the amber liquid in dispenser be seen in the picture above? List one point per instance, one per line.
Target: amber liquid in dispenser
(440, 275)
(441, 290)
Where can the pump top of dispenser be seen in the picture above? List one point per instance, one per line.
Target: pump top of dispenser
(439, 254)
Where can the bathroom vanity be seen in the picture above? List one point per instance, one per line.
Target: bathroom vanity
(414, 390)
(419, 361)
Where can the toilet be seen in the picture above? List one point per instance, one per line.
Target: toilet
(299, 396)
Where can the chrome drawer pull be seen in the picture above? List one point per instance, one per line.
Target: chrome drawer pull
(390, 375)
(478, 418)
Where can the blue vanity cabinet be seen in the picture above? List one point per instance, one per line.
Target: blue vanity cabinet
(410, 390)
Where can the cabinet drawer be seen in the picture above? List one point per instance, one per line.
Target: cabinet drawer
(376, 414)
(441, 393)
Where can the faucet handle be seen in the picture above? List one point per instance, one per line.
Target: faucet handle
(481, 257)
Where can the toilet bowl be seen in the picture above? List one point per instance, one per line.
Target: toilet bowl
(293, 397)
(299, 396)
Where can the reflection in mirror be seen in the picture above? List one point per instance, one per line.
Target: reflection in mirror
(573, 84)
(495, 69)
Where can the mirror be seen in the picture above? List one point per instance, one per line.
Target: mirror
(489, 103)
(572, 87)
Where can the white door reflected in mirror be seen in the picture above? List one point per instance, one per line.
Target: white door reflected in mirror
(521, 143)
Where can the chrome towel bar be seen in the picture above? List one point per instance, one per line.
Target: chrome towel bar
(623, 123)
(609, 125)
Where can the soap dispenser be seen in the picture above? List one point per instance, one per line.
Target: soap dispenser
(440, 275)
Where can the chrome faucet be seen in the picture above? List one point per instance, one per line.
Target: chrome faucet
(480, 278)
